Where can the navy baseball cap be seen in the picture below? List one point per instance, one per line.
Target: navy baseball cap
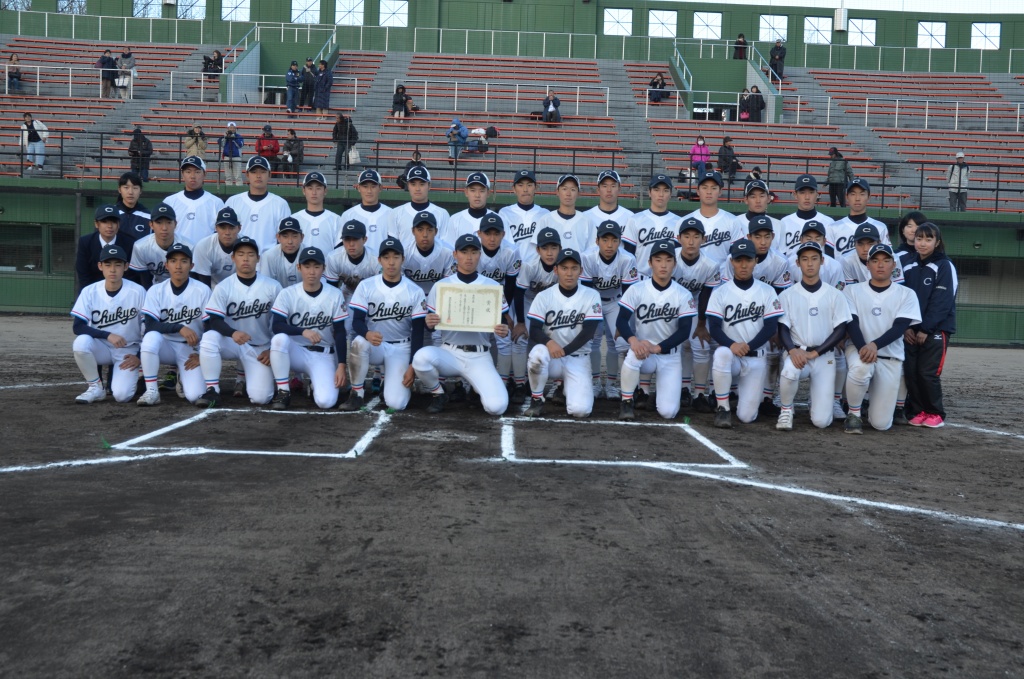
(491, 222)
(712, 176)
(257, 161)
(163, 211)
(524, 174)
(289, 224)
(755, 184)
(105, 212)
(227, 215)
(369, 176)
(760, 223)
(392, 245)
(113, 252)
(478, 178)
(294, 63)
(179, 248)
(424, 216)
(692, 224)
(813, 225)
(810, 245)
(467, 240)
(663, 246)
(314, 177)
(660, 179)
(865, 232)
(547, 236)
(744, 247)
(311, 255)
(245, 241)
(805, 181)
(609, 174)
(569, 253)
(567, 177)
(418, 172)
(880, 248)
(609, 227)
(861, 182)
(194, 161)
(353, 228)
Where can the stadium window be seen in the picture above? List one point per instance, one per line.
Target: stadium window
(349, 12)
(146, 9)
(235, 10)
(16, 5)
(861, 32)
(985, 36)
(394, 13)
(70, 6)
(191, 9)
(305, 11)
(661, 23)
(618, 22)
(818, 30)
(707, 25)
(773, 27)
(931, 34)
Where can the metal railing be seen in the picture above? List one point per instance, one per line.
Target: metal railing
(81, 81)
(937, 113)
(498, 42)
(685, 75)
(460, 92)
(209, 87)
(91, 27)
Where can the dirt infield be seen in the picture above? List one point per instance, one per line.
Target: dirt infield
(468, 546)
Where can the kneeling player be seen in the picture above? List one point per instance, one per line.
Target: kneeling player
(815, 322)
(102, 308)
(388, 318)
(743, 314)
(174, 324)
(309, 334)
(664, 311)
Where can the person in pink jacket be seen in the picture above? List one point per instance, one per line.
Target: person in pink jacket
(700, 156)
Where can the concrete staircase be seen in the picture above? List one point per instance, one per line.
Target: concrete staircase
(632, 127)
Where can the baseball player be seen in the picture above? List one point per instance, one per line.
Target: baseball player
(134, 216)
(500, 262)
(717, 223)
(321, 228)
(563, 321)
(610, 271)
(463, 354)
(149, 255)
(259, 212)
(656, 223)
(351, 263)
(239, 327)
(401, 219)
(854, 262)
(522, 219)
(477, 192)
(608, 185)
(805, 191)
(536, 274)
(309, 334)
(663, 311)
(743, 314)
(195, 209)
(882, 312)
(173, 311)
(370, 211)
(213, 262)
(281, 262)
(429, 259)
(813, 325)
(91, 246)
(841, 232)
(389, 319)
(108, 328)
(757, 198)
(573, 226)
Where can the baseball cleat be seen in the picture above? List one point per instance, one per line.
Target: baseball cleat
(239, 391)
(640, 398)
(685, 398)
(612, 392)
(149, 398)
(473, 398)
(723, 418)
(899, 416)
(354, 403)
(837, 410)
(734, 398)
(558, 396)
(853, 425)
(91, 395)
(375, 385)
(282, 399)
(211, 399)
(918, 420)
(519, 394)
(599, 392)
(536, 408)
(701, 404)
(934, 421)
(626, 410)
(785, 422)
(768, 409)
(169, 381)
(457, 393)
(437, 403)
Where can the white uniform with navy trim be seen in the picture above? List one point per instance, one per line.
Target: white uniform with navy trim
(644, 229)
(773, 270)
(793, 228)
(462, 223)
(246, 308)
(839, 234)
(400, 224)
(319, 231)
(376, 222)
(187, 308)
(426, 270)
(855, 270)
(741, 229)
(656, 316)
(196, 218)
(563, 318)
(597, 216)
(274, 263)
(830, 273)
(260, 218)
(506, 262)
(120, 314)
(705, 272)
(521, 225)
(147, 255)
(346, 274)
(719, 232)
(210, 259)
(575, 232)
(607, 278)
(390, 310)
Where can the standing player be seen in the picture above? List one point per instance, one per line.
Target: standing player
(718, 224)
(352, 263)
(814, 324)
(370, 212)
(573, 226)
(536, 274)
(463, 354)
(563, 322)
(663, 311)
(840, 233)
(108, 328)
(656, 223)
(309, 335)
(402, 219)
(883, 312)
(320, 227)
(239, 327)
(281, 262)
(608, 208)
(805, 191)
(757, 198)
(213, 262)
(195, 208)
(743, 314)
(855, 262)
(149, 255)
(500, 262)
(388, 320)
(259, 212)
(429, 260)
(174, 327)
(477, 191)
(523, 218)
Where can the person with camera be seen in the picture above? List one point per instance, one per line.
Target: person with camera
(195, 142)
(213, 66)
(457, 135)
(231, 153)
(294, 149)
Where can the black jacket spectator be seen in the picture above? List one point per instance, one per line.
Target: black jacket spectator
(87, 258)
(756, 104)
(777, 59)
(739, 50)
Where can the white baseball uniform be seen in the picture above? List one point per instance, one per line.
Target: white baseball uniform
(196, 215)
(427, 269)
(400, 223)
(793, 228)
(741, 229)
(346, 274)
(646, 228)
(521, 225)
(830, 273)
(147, 255)
(596, 215)
(855, 270)
(839, 234)
(260, 218)
(376, 220)
(319, 230)
(464, 222)
(284, 269)
(575, 231)
(209, 258)
(773, 270)
(719, 231)
(504, 263)
(119, 314)
(704, 272)
(607, 278)
(185, 307)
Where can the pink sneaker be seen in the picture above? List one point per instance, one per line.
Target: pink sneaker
(934, 422)
(918, 420)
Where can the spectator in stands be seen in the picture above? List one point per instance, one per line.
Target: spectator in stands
(125, 73)
(399, 101)
(294, 153)
(907, 229)
(293, 81)
(140, 150)
(33, 142)
(756, 104)
(777, 59)
(213, 66)
(728, 163)
(839, 173)
(14, 74)
(268, 147)
(957, 176)
(345, 136)
(551, 112)
(196, 142)
(231, 151)
(656, 88)
(457, 135)
(744, 105)
(415, 162)
(700, 156)
(308, 84)
(108, 74)
(322, 90)
(739, 49)
(134, 215)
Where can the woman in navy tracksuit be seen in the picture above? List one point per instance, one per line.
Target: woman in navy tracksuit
(933, 277)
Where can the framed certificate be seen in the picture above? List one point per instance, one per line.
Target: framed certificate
(470, 308)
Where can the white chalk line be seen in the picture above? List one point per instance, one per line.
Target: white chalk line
(982, 430)
(40, 385)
